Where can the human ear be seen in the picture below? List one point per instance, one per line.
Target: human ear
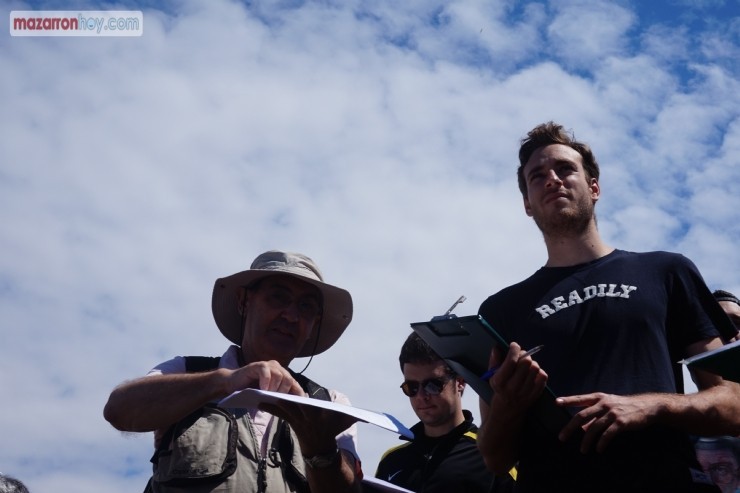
(460, 385)
(595, 189)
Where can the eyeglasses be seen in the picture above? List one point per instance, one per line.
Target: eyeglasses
(431, 386)
(721, 472)
(279, 298)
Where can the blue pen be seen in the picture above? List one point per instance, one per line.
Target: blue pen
(492, 371)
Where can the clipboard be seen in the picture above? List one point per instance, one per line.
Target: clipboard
(723, 361)
(465, 344)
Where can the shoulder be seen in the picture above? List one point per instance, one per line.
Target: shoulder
(511, 296)
(174, 365)
(181, 364)
(394, 452)
(655, 265)
(471, 435)
(658, 258)
(394, 459)
(339, 397)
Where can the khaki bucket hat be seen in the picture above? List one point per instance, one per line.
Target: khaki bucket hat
(336, 312)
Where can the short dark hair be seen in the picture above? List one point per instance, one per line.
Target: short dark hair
(415, 350)
(549, 133)
(722, 295)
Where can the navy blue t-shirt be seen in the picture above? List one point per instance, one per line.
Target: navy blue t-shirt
(618, 325)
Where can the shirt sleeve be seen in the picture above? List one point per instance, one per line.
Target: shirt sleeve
(174, 365)
(347, 440)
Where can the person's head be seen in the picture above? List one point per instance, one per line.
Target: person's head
(559, 180)
(280, 308)
(730, 304)
(547, 134)
(720, 458)
(434, 390)
(9, 484)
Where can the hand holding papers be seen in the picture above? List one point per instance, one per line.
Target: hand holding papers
(252, 398)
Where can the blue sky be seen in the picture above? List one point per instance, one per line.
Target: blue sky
(379, 138)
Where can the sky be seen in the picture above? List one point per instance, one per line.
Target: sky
(379, 138)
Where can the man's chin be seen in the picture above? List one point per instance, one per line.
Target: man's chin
(563, 223)
(283, 353)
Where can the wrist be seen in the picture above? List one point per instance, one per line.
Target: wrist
(322, 461)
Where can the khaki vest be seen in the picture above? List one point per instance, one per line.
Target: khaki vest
(215, 451)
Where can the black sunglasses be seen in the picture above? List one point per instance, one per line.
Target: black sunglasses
(431, 386)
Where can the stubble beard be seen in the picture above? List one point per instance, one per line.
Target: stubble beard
(568, 222)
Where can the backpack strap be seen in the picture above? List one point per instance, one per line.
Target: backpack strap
(201, 363)
(314, 390)
(207, 363)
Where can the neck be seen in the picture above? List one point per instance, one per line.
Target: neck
(568, 250)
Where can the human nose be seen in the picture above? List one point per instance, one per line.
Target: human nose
(291, 311)
(422, 393)
(553, 178)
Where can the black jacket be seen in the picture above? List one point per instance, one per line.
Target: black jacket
(447, 464)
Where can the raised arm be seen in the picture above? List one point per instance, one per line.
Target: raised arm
(517, 384)
(157, 401)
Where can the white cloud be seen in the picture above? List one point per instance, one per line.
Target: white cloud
(584, 33)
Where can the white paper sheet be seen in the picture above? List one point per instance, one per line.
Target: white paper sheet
(375, 484)
(251, 398)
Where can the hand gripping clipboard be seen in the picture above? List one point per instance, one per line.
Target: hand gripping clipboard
(465, 344)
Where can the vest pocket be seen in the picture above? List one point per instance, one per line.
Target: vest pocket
(200, 448)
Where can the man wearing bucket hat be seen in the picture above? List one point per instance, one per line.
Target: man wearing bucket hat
(276, 311)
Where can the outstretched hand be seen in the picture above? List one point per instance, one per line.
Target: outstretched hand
(605, 416)
(316, 428)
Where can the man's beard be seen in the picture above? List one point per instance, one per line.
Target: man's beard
(568, 222)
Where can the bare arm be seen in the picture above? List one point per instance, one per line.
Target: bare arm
(517, 384)
(155, 402)
(712, 411)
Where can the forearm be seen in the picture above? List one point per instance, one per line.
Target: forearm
(710, 412)
(155, 402)
(499, 437)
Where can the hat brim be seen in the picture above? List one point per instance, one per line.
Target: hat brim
(336, 316)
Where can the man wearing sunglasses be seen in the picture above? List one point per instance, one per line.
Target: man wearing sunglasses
(443, 456)
(277, 310)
